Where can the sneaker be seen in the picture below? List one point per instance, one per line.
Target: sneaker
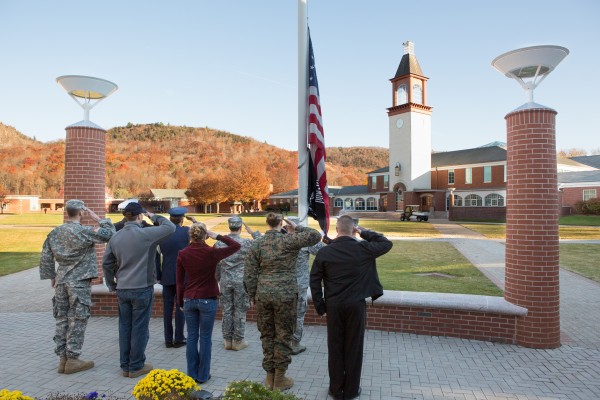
(145, 369)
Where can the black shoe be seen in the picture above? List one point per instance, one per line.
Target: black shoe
(179, 344)
(169, 344)
(202, 382)
(335, 397)
(357, 395)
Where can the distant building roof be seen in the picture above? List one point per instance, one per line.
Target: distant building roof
(352, 190)
(592, 161)
(478, 155)
(289, 193)
(380, 170)
(408, 65)
(169, 193)
(496, 143)
(579, 176)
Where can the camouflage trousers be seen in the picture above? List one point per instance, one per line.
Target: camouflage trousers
(71, 308)
(234, 304)
(300, 312)
(276, 321)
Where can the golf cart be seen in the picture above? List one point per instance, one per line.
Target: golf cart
(415, 213)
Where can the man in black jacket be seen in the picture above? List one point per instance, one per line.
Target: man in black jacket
(348, 271)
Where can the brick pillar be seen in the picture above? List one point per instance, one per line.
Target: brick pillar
(85, 167)
(531, 278)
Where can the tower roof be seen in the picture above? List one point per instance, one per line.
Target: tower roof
(409, 63)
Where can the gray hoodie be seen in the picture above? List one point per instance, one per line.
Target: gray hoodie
(131, 252)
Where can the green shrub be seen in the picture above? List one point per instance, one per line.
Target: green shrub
(593, 206)
(248, 390)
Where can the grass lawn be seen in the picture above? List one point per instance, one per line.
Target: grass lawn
(398, 270)
(583, 259)
(581, 220)
(388, 228)
(498, 231)
(20, 248)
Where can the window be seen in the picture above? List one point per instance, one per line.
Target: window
(417, 94)
(450, 177)
(458, 201)
(468, 175)
(473, 200)
(487, 174)
(349, 204)
(338, 203)
(589, 194)
(401, 95)
(386, 181)
(371, 204)
(373, 182)
(494, 200)
(360, 204)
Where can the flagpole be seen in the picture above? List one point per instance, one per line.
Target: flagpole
(302, 112)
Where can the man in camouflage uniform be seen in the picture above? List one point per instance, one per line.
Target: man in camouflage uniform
(270, 280)
(302, 277)
(234, 299)
(71, 246)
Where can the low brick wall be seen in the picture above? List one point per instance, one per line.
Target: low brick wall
(484, 318)
(466, 213)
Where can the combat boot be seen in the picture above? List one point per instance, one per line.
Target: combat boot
(280, 381)
(239, 345)
(143, 371)
(269, 380)
(61, 364)
(227, 344)
(76, 365)
(297, 348)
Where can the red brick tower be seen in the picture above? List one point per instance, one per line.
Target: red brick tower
(85, 152)
(85, 170)
(532, 273)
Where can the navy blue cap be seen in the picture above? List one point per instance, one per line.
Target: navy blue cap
(132, 209)
(177, 211)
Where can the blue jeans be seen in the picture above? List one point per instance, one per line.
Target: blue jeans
(200, 318)
(135, 310)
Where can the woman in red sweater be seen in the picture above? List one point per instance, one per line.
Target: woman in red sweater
(197, 292)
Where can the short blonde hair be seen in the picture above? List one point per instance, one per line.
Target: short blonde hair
(345, 225)
(198, 232)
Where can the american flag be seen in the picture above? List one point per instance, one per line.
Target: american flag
(318, 191)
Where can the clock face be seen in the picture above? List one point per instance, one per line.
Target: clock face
(399, 123)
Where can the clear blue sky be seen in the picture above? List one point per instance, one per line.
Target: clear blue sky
(232, 65)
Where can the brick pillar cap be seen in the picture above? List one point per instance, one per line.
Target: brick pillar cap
(530, 107)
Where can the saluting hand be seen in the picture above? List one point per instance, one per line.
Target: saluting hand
(212, 235)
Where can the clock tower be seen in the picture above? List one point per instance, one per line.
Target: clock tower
(410, 133)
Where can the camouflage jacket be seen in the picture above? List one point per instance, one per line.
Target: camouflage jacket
(302, 269)
(71, 245)
(270, 266)
(231, 269)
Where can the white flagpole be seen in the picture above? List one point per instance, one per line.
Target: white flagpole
(302, 109)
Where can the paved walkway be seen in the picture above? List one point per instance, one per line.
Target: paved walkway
(396, 366)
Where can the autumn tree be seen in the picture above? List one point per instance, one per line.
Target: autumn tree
(247, 181)
(207, 190)
(571, 153)
(3, 199)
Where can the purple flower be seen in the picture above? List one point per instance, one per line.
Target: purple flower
(92, 395)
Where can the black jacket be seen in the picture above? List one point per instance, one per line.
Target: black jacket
(348, 270)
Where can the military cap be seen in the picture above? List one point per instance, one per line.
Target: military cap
(177, 211)
(75, 205)
(295, 220)
(132, 209)
(235, 223)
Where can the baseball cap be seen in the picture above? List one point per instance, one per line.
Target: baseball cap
(132, 209)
